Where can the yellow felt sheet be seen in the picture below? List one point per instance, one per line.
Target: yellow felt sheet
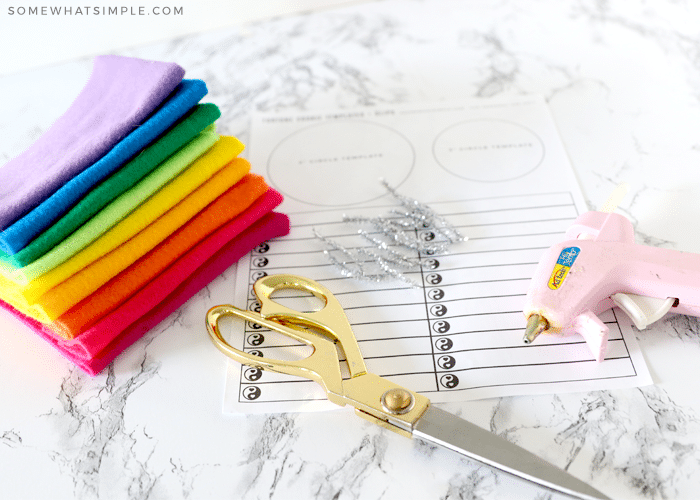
(34, 299)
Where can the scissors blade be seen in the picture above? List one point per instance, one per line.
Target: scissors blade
(440, 427)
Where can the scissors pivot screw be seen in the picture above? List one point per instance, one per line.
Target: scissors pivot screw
(376, 399)
(397, 401)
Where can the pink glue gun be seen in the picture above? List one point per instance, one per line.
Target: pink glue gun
(599, 267)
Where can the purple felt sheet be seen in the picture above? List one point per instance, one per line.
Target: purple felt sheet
(119, 95)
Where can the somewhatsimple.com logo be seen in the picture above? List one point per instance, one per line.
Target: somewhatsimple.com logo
(45, 10)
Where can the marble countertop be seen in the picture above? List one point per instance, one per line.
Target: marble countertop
(622, 79)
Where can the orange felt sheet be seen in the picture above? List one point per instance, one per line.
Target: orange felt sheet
(224, 208)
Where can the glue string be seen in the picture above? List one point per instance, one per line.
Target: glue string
(417, 229)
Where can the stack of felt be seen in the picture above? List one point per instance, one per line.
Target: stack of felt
(127, 206)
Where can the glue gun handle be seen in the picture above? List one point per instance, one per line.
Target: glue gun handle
(662, 273)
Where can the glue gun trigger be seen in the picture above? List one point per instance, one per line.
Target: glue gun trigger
(642, 310)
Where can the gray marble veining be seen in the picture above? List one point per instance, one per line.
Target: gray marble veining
(622, 81)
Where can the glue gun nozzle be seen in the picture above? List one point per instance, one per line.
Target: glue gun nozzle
(536, 324)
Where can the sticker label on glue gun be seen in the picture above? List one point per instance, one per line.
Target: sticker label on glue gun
(561, 268)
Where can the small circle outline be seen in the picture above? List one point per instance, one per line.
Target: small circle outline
(325, 122)
(445, 130)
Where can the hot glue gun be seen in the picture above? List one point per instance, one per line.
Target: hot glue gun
(599, 266)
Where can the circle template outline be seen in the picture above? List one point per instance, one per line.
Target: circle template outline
(437, 137)
(325, 122)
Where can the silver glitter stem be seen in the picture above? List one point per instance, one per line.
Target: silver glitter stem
(396, 242)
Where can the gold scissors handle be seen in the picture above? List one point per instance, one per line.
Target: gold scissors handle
(330, 318)
(315, 367)
(373, 397)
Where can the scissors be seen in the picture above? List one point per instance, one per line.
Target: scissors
(374, 398)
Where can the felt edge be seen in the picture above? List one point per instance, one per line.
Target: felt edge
(171, 75)
(51, 237)
(17, 235)
(241, 216)
(271, 225)
(124, 313)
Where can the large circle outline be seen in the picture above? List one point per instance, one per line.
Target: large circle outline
(437, 137)
(396, 132)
